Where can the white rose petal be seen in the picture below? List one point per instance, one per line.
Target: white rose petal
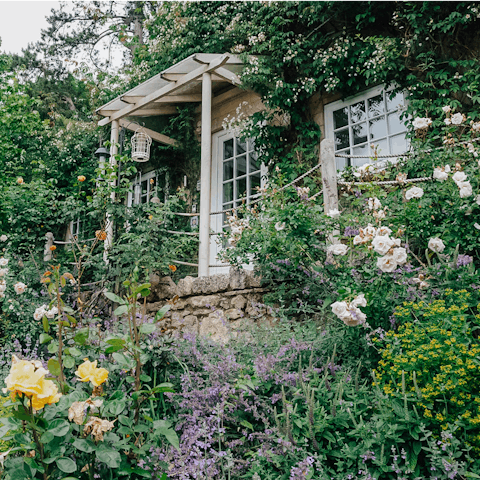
(382, 244)
(446, 109)
(3, 238)
(436, 245)
(459, 177)
(465, 189)
(19, 288)
(384, 231)
(338, 249)
(339, 309)
(334, 213)
(439, 174)
(279, 226)
(447, 169)
(3, 262)
(477, 226)
(414, 192)
(359, 301)
(374, 203)
(457, 119)
(400, 255)
(3, 272)
(387, 263)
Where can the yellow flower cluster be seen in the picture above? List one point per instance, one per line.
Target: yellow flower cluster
(28, 378)
(437, 354)
(88, 372)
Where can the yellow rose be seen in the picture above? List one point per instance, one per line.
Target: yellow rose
(88, 372)
(24, 378)
(48, 395)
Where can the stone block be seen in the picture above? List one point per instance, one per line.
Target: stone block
(239, 301)
(238, 279)
(212, 284)
(184, 287)
(204, 301)
(233, 314)
(215, 328)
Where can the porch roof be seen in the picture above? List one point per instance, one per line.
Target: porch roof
(161, 94)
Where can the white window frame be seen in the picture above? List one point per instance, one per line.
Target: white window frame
(217, 225)
(135, 195)
(341, 163)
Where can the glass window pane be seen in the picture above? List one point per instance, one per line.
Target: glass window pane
(241, 188)
(241, 165)
(364, 150)
(378, 128)
(395, 125)
(341, 163)
(395, 103)
(254, 163)
(251, 145)
(340, 118)
(241, 147)
(398, 144)
(226, 207)
(228, 149)
(382, 147)
(357, 112)
(227, 192)
(228, 170)
(359, 133)
(342, 139)
(255, 183)
(375, 106)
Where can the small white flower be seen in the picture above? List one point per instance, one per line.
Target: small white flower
(465, 189)
(447, 169)
(380, 215)
(11, 307)
(478, 200)
(440, 174)
(459, 177)
(40, 312)
(414, 192)
(19, 288)
(447, 121)
(340, 309)
(279, 226)
(370, 230)
(382, 244)
(436, 245)
(400, 255)
(355, 318)
(374, 203)
(477, 226)
(419, 123)
(51, 313)
(3, 262)
(337, 249)
(446, 109)
(359, 301)
(3, 238)
(3, 287)
(384, 231)
(3, 272)
(458, 119)
(387, 263)
(334, 213)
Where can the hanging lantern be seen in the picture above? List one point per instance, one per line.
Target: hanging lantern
(141, 146)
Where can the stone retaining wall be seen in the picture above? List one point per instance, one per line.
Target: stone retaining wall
(217, 306)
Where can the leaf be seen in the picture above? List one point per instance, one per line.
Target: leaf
(148, 328)
(59, 427)
(81, 336)
(170, 435)
(117, 407)
(161, 313)
(54, 367)
(121, 310)
(113, 348)
(116, 341)
(44, 338)
(75, 352)
(46, 325)
(123, 360)
(84, 445)
(141, 288)
(108, 455)
(115, 298)
(47, 437)
(66, 465)
(68, 361)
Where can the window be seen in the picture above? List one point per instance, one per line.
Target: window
(143, 189)
(357, 123)
(237, 173)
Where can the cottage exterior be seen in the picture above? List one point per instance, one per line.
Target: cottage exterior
(230, 169)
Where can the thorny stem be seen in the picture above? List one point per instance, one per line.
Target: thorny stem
(39, 445)
(60, 338)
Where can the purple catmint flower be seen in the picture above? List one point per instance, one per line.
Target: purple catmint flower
(464, 260)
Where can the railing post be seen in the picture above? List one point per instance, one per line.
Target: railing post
(329, 175)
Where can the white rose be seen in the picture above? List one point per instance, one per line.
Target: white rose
(3, 287)
(384, 231)
(478, 199)
(370, 230)
(457, 119)
(2, 295)
(459, 177)
(355, 318)
(334, 213)
(446, 109)
(400, 255)
(374, 203)
(421, 123)
(380, 215)
(3, 272)
(359, 301)
(340, 309)
(51, 313)
(447, 121)
(278, 227)
(3, 262)
(40, 312)
(3, 238)
(358, 240)
(477, 226)
(436, 245)
(19, 288)
(382, 244)
(414, 192)
(387, 263)
(465, 189)
(447, 168)
(440, 174)
(338, 249)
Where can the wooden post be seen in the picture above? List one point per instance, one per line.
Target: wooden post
(47, 253)
(205, 176)
(329, 175)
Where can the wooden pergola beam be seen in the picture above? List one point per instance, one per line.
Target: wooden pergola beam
(159, 137)
(167, 89)
(168, 99)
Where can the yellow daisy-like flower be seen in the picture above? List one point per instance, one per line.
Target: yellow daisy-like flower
(88, 372)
